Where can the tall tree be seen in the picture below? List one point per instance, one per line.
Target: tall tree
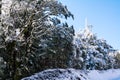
(90, 52)
(27, 29)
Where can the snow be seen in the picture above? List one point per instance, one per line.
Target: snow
(111, 74)
(58, 74)
(5, 7)
(75, 74)
(114, 53)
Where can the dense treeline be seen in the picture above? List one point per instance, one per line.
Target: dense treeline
(34, 37)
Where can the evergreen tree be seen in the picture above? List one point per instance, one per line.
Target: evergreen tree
(57, 47)
(31, 30)
(90, 52)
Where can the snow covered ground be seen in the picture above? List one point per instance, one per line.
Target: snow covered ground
(58, 74)
(112, 74)
(73, 74)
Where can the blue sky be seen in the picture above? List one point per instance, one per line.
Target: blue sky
(104, 15)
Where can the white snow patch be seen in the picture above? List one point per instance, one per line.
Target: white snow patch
(112, 74)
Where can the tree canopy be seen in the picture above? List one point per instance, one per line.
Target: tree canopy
(32, 30)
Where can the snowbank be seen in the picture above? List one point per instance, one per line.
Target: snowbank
(73, 74)
(58, 74)
(112, 74)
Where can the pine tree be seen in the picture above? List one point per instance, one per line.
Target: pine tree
(90, 52)
(28, 29)
(58, 46)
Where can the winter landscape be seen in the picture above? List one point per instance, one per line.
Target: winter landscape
(38, 42)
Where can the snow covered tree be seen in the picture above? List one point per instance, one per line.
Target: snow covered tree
(58, 47)
(30, 31)
(90, 52)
